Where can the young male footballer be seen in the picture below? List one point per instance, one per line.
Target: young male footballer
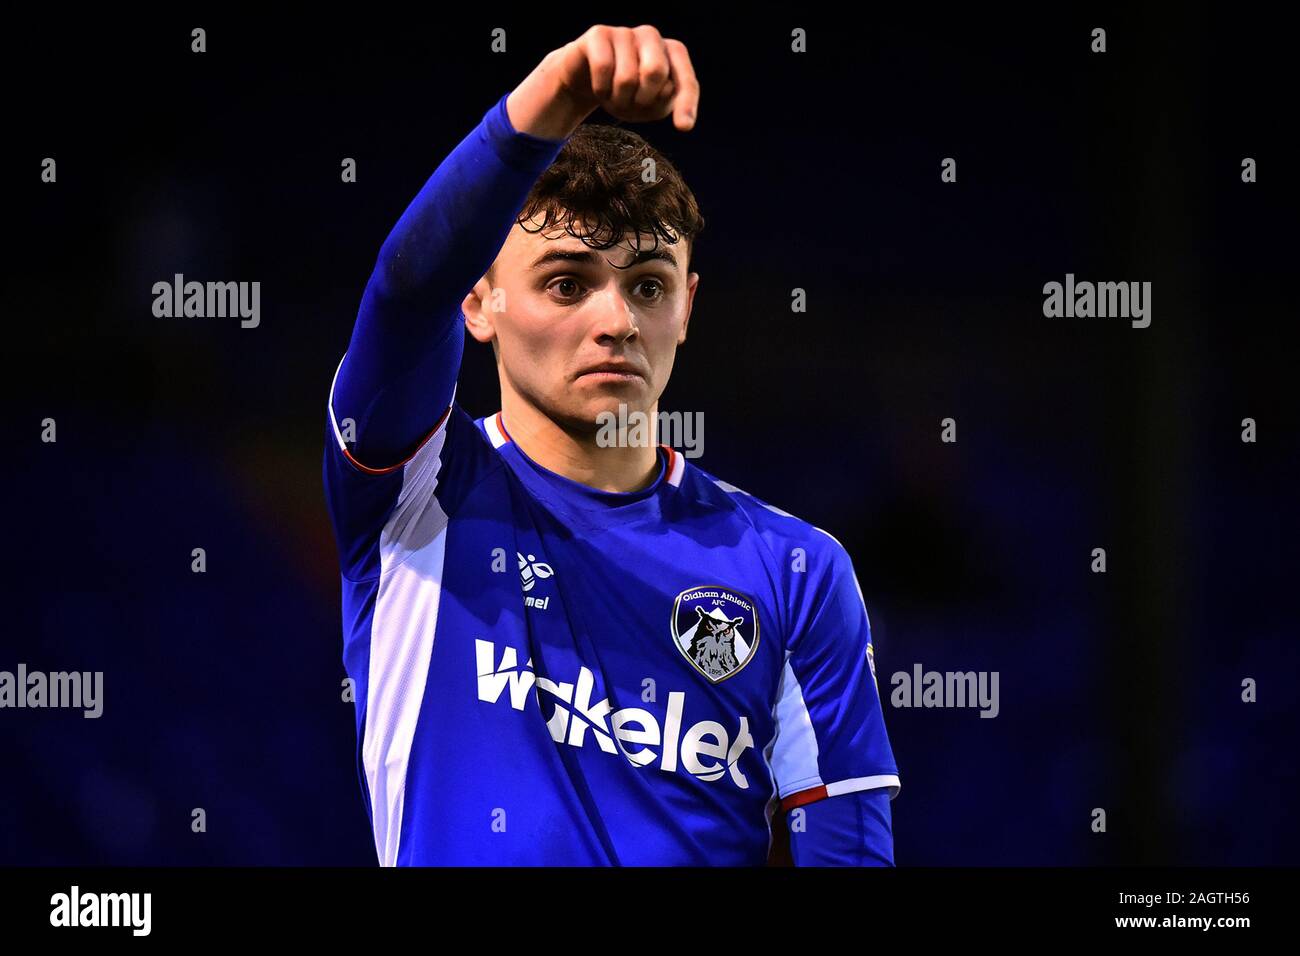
(567, 652)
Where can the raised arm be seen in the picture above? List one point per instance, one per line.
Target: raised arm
(397, 379)
(398, 376)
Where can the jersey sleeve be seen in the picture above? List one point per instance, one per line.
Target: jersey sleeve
(363, 500)
(394, 384)
(830, 730)
(852, 829)
(393, 426)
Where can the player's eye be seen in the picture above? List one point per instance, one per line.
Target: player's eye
(565, 284)
(656, 284)
(567, 288)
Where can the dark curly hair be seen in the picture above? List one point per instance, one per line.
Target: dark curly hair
(597, 179)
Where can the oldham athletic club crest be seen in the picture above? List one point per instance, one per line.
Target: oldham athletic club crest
(716, 629)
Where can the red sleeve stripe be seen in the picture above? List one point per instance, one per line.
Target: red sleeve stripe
(852, 785)
(811, 795)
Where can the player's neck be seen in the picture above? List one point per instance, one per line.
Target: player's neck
(623, 467)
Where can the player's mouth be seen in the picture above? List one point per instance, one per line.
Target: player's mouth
(613, 373)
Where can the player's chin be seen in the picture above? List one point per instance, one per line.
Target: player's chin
(612, 406)
(603, 391)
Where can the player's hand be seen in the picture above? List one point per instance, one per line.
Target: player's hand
(632, 73)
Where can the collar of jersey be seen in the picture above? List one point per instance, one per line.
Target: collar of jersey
(575, 492)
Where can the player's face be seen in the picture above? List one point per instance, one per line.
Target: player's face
(576, 335)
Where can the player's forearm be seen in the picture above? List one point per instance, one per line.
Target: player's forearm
(454, 227)
(404, 355)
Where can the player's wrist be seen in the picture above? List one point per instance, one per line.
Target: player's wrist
(543, 106)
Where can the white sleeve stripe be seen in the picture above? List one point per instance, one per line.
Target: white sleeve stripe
(794, 756)
(854, 784)
(403, 630)
(338, 435)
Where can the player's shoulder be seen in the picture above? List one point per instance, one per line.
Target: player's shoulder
(774, 523)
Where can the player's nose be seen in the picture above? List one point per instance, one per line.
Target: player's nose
(614, 316)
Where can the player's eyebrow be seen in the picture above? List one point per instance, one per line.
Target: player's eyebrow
(587, 257)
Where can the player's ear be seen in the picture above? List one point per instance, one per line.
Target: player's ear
(692, 283)
(477, 307)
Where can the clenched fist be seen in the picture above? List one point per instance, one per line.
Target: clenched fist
(632, 73)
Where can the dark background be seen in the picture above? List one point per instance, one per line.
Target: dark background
(820, 171)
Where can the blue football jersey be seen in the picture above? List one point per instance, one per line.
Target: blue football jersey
(550, 674)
